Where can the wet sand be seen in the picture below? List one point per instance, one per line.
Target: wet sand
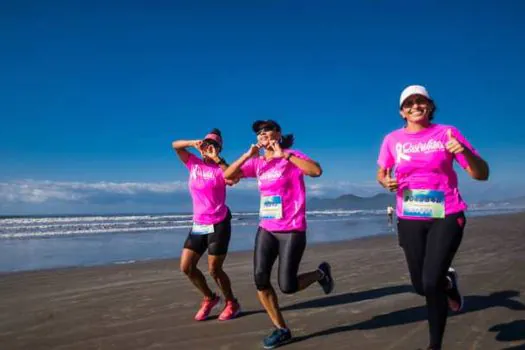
(150, 305)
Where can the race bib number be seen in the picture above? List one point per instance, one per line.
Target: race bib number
(424, 204)
(271, 207)
(198, 229)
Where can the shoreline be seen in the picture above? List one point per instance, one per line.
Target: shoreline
(243, 250)
(150, 305)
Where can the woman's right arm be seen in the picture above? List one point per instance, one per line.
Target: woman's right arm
(384, 178)
(235, 168)
(180, 147)
(385, 162)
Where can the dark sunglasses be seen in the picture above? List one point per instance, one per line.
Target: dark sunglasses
(420, 100)
(265, 129)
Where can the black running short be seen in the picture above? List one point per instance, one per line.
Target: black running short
(216, 242)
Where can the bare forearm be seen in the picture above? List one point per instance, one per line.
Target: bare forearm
(381, 176)
(181, 144)
(479, 169)
(231, 171)
(308, 167)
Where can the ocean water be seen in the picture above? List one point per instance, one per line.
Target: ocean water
(34, 243)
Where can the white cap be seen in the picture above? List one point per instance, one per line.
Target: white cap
(413, 90)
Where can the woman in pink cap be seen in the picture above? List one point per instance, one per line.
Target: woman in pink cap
(430, 209)
(282, 228)
(211, 228)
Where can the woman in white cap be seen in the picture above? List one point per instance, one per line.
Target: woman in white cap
(211, 228)
(429, 207)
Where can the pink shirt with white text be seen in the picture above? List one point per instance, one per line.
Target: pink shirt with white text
(421, 161)
(280, 177)
(208, 191)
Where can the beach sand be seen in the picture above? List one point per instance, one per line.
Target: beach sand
(150, 305)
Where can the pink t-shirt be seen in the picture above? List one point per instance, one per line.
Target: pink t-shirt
(420, 161)
(280, 177)
(208, 191)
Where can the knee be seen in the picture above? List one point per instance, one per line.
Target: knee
(262, 280)
(214, 271)
(431, 287)
(417, 283)
(187, 269)
(288, 287)
(418, 288)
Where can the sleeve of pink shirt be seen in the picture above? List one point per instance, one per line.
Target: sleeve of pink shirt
(460, 157)
(386, 158)
(248, 168)
(298, 154)
(192, 159)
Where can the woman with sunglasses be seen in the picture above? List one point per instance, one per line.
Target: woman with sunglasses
(282, 228)
(430, 209)
(211, 228)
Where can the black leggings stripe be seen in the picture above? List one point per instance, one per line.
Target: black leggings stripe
(289, 247)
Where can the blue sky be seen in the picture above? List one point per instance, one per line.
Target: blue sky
(93, 93)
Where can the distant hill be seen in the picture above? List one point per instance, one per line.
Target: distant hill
(352, 202)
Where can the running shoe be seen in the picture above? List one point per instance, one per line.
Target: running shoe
(279, 336)
(326, 282)
(230, 311)
(455, 299)
(207, 305)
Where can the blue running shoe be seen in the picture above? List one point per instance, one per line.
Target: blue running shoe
(279, 337)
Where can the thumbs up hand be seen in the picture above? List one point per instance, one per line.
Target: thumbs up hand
(453, 145)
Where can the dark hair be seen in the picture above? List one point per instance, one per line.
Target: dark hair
(433, 109)
(286, 141)
(214, 143)
(216, 132)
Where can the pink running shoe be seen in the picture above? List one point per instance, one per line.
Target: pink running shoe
(206, 306)
(231, 310)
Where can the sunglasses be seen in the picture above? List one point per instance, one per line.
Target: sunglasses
(207, 143)
(265, 129)
(420, 100)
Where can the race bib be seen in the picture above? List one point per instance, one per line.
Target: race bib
(424, 204)
(271, 207)
(198, 229)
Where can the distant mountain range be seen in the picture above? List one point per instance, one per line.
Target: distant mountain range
(514, 202)
(382, 200)
(352, 202)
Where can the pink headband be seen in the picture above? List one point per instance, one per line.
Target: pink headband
(215, 138)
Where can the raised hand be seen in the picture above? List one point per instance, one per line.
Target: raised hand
(210, 152)
(453, 145)
(197, 144)
(277, 150)
(253, 151)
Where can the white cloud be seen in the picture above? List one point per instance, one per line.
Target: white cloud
(40, 191)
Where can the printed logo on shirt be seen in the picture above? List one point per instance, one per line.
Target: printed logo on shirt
(196, 172)
(404, 149)
(271, 175)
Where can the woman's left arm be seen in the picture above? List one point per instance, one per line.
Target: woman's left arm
(307, 166)
(476, 167)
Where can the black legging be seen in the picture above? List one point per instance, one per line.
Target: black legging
(429, 248)
(289, 246)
